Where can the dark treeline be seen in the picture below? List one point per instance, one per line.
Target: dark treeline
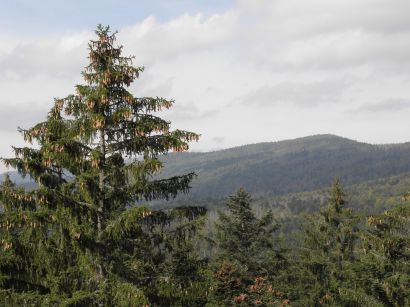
(284, 167)
(84, 235)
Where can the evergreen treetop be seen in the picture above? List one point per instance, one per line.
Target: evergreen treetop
(329, 254)
(80, 237)
(243, 238)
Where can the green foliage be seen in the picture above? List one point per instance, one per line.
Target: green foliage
(229, 288)
(246, 249)
(279, 168)
(385, 266)
(328, 252)
(226, 285)
(82, 237)
(243, 238)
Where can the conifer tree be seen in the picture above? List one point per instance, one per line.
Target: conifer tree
(182, 280)
(83, 236)
(328, 255)
(385, 258)
(242, 237)
(247, 250)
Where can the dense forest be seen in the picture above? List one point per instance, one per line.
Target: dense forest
(107, 219)
(277, 168)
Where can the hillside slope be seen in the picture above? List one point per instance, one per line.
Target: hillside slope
(279, 168)
(304, 164)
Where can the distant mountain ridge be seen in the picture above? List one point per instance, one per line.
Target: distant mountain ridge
(291, 166)
(278, 168)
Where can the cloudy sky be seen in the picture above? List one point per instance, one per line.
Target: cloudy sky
(241, 71)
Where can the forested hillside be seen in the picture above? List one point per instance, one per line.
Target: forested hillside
(373, 196)
(303, 164)
(283, 168)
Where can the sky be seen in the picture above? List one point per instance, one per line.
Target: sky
(240, 71)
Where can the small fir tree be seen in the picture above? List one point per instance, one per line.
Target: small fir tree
(246, 250)
(243, 238)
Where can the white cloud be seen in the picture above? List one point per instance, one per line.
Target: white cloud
(322, 34)
(300, 94)
(152, 40)
(263, 70)
(390, 105)
(54, 57)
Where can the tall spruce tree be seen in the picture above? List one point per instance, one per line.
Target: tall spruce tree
(328, 255)
(83, 236)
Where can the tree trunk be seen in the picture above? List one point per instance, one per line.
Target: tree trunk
(101, 184)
